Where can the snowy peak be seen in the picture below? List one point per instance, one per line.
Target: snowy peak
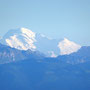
(68, 47)
(28, 33)
(24, 39)
(21, 39)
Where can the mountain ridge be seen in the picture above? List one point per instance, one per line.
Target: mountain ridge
(8, 54)
(24, 39)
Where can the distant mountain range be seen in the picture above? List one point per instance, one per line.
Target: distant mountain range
(30, 61)
(24, 39)
(22, 44)
(8, 54)
(31, 70)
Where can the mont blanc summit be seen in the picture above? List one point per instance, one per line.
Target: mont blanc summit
(24, 39)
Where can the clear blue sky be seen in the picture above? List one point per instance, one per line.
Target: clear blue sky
(54, 18)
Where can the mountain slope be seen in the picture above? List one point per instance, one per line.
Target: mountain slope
(81, 56)
(47, 45)
(8, 54)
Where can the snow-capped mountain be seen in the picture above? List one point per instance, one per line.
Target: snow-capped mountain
(68, 47)
(24, 39)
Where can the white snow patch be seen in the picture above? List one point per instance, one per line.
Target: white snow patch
(52, 54)
(15, 43)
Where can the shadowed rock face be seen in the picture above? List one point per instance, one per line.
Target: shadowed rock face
(8, 54)
(81, 56)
